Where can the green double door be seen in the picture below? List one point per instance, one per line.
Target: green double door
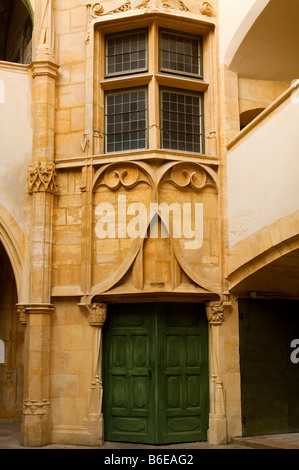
(155, 378)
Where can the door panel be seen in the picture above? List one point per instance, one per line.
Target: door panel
(156, 373)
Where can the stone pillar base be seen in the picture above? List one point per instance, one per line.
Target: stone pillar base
(91, 433)
(217, 433)
(36, 431)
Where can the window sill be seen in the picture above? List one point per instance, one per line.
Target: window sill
(133, 80)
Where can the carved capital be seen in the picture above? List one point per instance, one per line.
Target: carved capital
(34, 407)
(215, 313)
(23, 315)
(97, 314)
(42, 178)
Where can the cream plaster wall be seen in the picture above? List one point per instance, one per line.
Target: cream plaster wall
(235, 19)
(15, 138)
(270, 149)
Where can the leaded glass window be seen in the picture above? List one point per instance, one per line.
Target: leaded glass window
(180, 54)
(126, 120)
(181, 121)
(126, 53)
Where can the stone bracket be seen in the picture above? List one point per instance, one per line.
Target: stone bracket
(97, 313)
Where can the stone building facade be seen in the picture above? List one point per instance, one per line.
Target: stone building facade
(149, 220)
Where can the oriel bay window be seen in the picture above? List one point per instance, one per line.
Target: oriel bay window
(152, 90)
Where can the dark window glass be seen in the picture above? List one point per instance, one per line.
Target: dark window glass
(180, 54)
(182, 121)
(126, 121)
(126, 53)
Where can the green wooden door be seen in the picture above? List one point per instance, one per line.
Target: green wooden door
(269, 380)
(156, 373)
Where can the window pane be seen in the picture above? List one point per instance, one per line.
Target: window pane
(126, 53)
(181, 128)
(126, 127)
(180, 54)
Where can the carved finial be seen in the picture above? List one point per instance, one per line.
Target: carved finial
(215, 313)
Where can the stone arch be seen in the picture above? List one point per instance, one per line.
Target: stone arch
(263, 248)
(16, 29)
(249, 115)
(12, 239)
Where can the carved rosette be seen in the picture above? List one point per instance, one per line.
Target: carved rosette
(42, 178)
(97, 314)
(206, 9)
(34, 407)
(215, 313)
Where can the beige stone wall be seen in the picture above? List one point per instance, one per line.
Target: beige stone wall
(71, 34)
(70, 370)
(255, 94)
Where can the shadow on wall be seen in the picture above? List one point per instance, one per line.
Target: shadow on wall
(248, 116)
(15, 32)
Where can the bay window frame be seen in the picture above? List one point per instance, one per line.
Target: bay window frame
(154, 78)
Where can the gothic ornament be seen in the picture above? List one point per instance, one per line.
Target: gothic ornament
(42, 178)
(97, 314)
(215, 313)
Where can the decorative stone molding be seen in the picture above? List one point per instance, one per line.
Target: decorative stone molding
(42, 178)
(215, 313)
(25, 309)
(184, 175)
(127, 175)
(120, 6)
(34, 407)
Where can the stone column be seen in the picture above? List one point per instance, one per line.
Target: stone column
(97, 317)
(35, 301)
(217, 433)
(36, 429)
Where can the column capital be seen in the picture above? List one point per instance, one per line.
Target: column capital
(97, 313)
(42, 177)
(215, 313)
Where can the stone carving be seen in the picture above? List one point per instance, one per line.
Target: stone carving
(215, 313)
(126, 175)
(42, 178)
(23, 315)
(97, 314)
(34, 407)
(206, 9)
(44, 30)
(118, 6)
(189, 175)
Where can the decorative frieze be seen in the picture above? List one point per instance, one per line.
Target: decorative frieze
(42, 178)
(120, 6)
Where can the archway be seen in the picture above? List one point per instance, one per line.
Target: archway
(12, 336)
(15, 31)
